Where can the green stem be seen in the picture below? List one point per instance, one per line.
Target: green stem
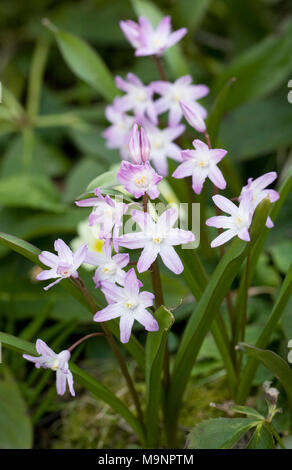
(276, 435)
(36, 77)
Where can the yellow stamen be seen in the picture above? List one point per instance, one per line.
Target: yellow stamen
(98, 244)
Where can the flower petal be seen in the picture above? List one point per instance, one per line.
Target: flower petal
(225, 204)
(147, 257)
(223, 238)
(108, 313)
(146, 319)
(126, 323)
(171, 259)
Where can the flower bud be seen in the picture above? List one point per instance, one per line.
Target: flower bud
(192, 116)
(139, 146)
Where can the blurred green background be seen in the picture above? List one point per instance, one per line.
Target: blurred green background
(51, 148)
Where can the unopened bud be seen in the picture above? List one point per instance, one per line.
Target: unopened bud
(139, 146)
(192, 116)
(271, 393)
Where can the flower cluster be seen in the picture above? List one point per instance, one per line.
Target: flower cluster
(143, 140)
(147, 102)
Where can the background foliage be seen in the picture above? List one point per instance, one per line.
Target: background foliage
(51, 118)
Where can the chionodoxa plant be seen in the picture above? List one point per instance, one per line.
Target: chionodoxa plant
(131, 210)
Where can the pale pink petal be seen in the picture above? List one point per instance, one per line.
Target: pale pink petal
(171, 259)
(264, 181)
(121, 259)
(216, 177)
(177, 236)
(79, 256)
(199, 175)
(43, 349)
(184, 169)
(143, 219)
(132, 240)
(47, 274)
(146, 319)
(108, 313)
(90, 202)
(269, 223)
(244, 235)
(111, 291)
(49, 259)
(147, 257)
(223, 238)
(131, 282)
(164, 26)
(225, 204)
(126, 323)
(217, 154)
(146, 299)
(167, 219)
(70, 383)
(176, 36)
(53, 283)
(61, 382)
(63, 251)
(219, 221)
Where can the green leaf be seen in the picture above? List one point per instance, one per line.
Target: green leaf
(275, 364)
(219, 433)
(27, 190)
(31, 252)
(259, 70)
(85, 62)
(108, 179)
(268, 129)
(262, 438)
(263, 340)
(173, 56)
(248, 411)
(215, 117)
(282, 255)
(190, 13)
(84, 379)
(207, 307)
(155, 351)
(15, 425)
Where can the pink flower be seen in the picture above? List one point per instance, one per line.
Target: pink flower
(138, 97)
(259, 191)
(139, 146)
(193, 114)
(128, 304)
(48, 359)
(173, 93)
(109, 267)
(107, 212)
(148, 41)
(118, 133)
(62, 266)
(139, 179)
(201, 163)
(236, 225)
(162, 145)
(157, 239)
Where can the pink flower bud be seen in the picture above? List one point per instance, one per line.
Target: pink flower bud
(192, 116)
(139, 146)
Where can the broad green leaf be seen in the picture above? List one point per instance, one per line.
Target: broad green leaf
(85, 62)
(107, 179)
(45, 160)
(155, 351)
(32, 191)
(90, 142)
(173, 55)
(259, 70)
(219, 433)
(205, 312)
(84, 379)
(268, 129)
(80, 176)
(31, 252)
(282, 255)
(262, 438)
(275, 364)
(15, 425)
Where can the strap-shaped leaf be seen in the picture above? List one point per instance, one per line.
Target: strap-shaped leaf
(270, 325)
(85, 62)
(174, 55)
(31, 252)
(209, 304)
(155, 350)
(84, 379)
(262, 438)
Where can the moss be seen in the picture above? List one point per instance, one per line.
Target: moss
(86, 423)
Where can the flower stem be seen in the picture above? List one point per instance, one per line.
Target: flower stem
(157, 288)
(83, 339)
(160, 67)
(222, 251)
(114, 347)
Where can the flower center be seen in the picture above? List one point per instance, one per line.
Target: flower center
(157, 239)
(158, 143)
(131, 304)
(98, 244)
(121, 125)
(203, 163)
(109, 268)
(142, 181)
(141, 96)
(55, 365)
